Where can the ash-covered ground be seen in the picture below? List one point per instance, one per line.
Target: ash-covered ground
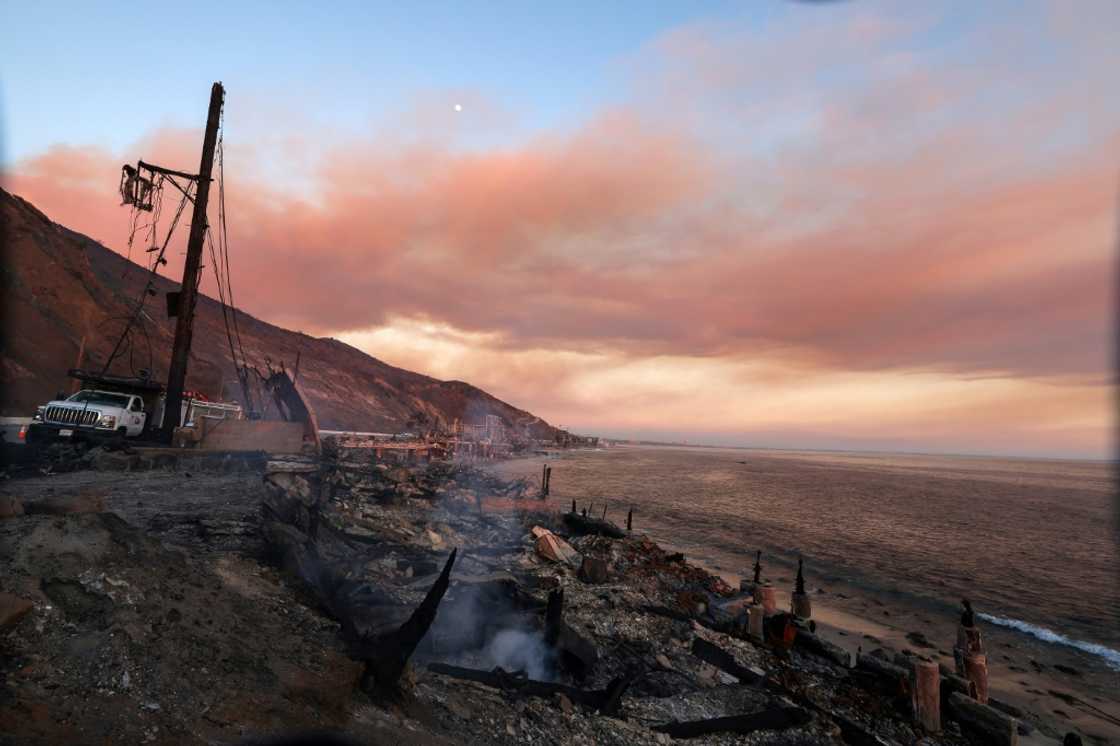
(156, 600)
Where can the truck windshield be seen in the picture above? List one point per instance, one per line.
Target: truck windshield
(99, 397)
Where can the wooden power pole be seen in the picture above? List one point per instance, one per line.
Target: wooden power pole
(188, 294)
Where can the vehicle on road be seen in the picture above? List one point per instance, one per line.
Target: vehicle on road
(90, 411)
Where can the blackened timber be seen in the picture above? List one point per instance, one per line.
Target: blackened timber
(606, 701)
(575, 652)
(387, 655)
(724, 661)
(988, 723)
(581, 525)
(184, 322)
(554, 617)
(822, 647)
(772, 718)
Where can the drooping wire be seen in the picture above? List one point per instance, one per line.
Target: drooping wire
(220, 259)
(151, 228)
(146, 291)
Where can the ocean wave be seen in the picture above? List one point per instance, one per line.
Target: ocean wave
(1111, 657)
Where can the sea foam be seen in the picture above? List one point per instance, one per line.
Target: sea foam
(1111, 657)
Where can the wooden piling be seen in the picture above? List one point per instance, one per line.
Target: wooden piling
(604, 512)
(801, 606)
(755, 615)
(767, 598)
(630, 519)
(976, 671)
(927, 695)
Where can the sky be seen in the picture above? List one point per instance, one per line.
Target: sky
(854, 225)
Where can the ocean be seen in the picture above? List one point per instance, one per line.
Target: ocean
(1031, 542)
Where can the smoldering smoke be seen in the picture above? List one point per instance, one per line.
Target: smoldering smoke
(518, 650)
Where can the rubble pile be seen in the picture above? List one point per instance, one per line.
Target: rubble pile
(427, 605)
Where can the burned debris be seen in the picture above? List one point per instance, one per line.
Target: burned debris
(515, 623)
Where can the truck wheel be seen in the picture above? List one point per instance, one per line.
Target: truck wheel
(122, 432)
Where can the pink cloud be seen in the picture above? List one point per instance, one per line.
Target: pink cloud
(893, 230)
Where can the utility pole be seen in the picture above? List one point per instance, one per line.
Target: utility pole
(188, 294)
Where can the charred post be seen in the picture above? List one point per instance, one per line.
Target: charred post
(724, 661)
(927, 695)
(772, 718)
(386, 656)
(800, 604)
(184, 322)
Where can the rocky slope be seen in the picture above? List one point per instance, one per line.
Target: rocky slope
(59, 286)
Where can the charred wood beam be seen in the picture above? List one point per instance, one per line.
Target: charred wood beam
(554, 617)
(606, 701)
(387, 655)
(724, 661)
(772, 718)
(895, 678)
(986, 722)
(575, 652)
(290, 530)
(589, 525)
(850, 731)
(822, 647)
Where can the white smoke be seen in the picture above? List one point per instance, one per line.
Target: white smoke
(517, 650)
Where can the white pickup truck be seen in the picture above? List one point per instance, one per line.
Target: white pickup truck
(90, 410)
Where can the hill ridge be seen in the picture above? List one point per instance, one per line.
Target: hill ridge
(60, 285)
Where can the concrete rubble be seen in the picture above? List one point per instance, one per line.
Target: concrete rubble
(203, 602)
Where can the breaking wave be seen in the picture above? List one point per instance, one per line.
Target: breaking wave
(1111, 657)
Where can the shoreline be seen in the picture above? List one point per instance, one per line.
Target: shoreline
(850, 622)
(163, 554)
(1062, 684)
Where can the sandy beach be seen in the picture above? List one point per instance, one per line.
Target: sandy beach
(1068, 688)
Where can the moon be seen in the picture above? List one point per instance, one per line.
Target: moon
(458, 107)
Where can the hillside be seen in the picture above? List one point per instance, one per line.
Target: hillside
(59, 286)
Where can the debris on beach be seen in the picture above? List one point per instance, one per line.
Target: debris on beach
(378, 601)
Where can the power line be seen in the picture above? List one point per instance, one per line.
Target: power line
(149, 285)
